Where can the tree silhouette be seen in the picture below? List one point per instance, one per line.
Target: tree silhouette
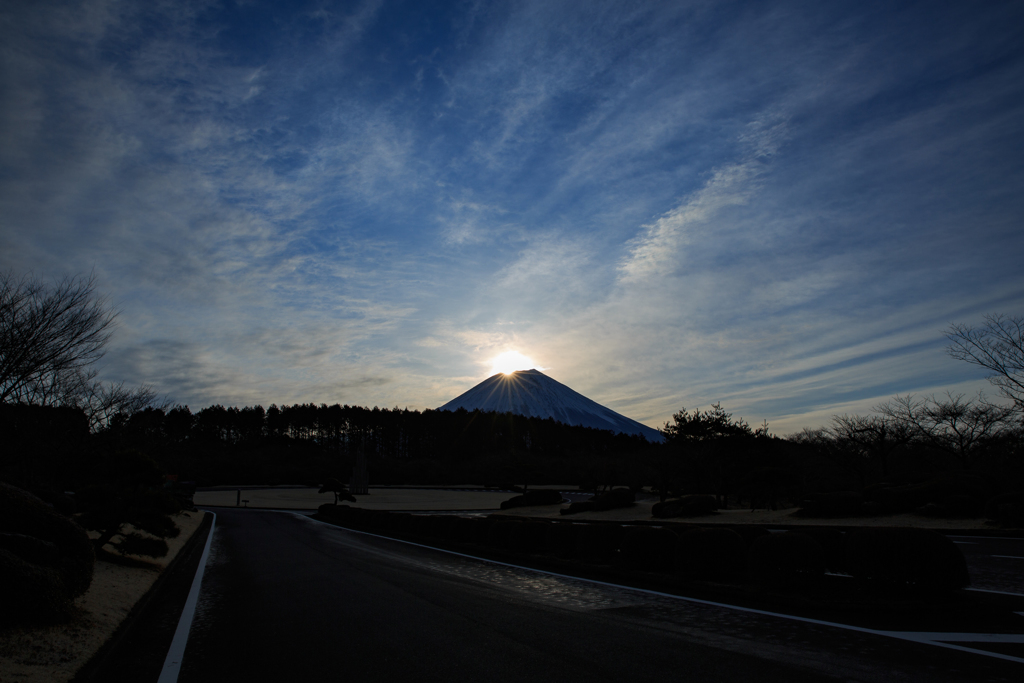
(998, 345)
(339, 490)
(49, 335)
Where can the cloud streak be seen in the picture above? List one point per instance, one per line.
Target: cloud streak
(776, 207)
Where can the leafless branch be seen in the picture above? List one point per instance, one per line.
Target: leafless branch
(998, 346)
(48, 333)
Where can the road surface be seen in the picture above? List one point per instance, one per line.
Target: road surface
(287, 598)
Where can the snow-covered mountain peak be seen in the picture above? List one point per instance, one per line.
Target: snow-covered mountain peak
(534, 394)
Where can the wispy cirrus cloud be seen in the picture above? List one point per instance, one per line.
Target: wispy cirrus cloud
(665, 205)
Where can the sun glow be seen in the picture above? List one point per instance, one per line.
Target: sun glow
(510, 361)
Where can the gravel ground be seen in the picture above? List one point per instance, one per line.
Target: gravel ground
(50, 654)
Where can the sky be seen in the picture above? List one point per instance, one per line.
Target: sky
(778, 206)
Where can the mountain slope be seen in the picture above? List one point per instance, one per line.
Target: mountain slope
(534, 394)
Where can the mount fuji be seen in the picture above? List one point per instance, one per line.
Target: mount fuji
(534, 394)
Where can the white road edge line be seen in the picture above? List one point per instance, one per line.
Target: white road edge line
(986, 590)
(925, 638)
(987, 538)
(172, 663)
(1010, 557)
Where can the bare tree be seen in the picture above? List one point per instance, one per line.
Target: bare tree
(998, 345)
(49, 335)
(959, 427)
(861, 445)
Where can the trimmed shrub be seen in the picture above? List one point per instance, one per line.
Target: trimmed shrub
(709, 552)
(60, 502)
(1006, 509)
(527, 537)
(616, 498)
(913, 496)
(837, 504)
(560, 539)
(958, 506)
(610, 500)
(530, 498)
(875, 508)
(498, 534)
(481, 529)
(788, 559)
(963, 505)
(109, 507)
(31, 592)
(47, 558)
(686, 506)
(833, 546)
(598, 542)
(577, 506)
(30, 548)
(441, 526)
(401, 522)
(906, 559)
(332, 511)
(749, 533)
(649, 548)
(461, 529)
(420, 525)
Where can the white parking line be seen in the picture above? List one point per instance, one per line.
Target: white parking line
(172, 663)
(926, 638)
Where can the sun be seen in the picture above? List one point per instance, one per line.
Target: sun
(510, 361)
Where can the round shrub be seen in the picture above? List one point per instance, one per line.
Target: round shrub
(787, 559)
(709, 553)
(906, 559)
(649, 548)
(60, 502)
(54, 563)
(31, 592)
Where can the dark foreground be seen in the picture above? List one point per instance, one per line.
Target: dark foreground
(288, 598)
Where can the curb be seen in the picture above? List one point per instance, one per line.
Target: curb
(89, 670)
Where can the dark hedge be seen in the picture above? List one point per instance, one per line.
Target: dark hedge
(787, 559)
(906, 559)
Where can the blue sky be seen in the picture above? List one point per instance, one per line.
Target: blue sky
(780, 206)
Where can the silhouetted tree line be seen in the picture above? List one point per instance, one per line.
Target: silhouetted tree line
(58, 426)
(307, 443)
(310, 442)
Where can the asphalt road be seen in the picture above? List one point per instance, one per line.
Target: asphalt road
(285, 598)
(995, 563)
